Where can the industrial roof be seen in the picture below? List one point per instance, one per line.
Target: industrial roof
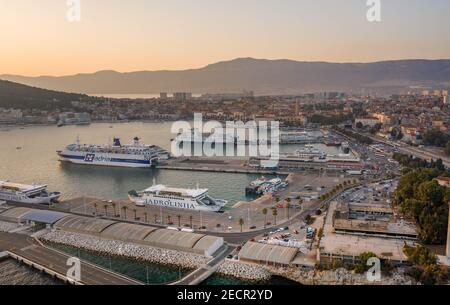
(267, 253)
(84, 224)
(206, 242)
(125, 231)
(15, 213)
(42, 216)
(172, 238)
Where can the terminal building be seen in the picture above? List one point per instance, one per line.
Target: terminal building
(371, 219)
(201, 244)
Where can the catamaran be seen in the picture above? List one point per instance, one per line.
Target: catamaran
(180, 198)
(22, 193)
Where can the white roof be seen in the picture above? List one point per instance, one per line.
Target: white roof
(184, 192)
(21, 187)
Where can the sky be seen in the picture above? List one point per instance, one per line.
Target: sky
(134, 35)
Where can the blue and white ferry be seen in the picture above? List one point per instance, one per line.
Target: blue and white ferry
(135, 155)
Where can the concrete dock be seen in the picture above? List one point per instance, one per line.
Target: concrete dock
(28, 251)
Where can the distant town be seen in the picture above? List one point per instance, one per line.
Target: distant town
(421, 118)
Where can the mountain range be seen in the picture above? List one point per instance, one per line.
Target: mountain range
(260, 75)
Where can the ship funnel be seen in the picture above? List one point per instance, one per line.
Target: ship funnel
(116, 142)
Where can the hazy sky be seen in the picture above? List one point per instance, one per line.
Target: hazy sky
(130, 35)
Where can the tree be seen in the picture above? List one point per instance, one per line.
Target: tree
(275, 214)
(447, 148)
(241, 223)
(424, 200)
(264, 211)
(436, 137)
(288, 207)
(425, 268)
(361, 266)
(114, 209)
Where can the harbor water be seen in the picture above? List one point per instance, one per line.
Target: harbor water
(28, 155)
(156, 274)
(13, 273)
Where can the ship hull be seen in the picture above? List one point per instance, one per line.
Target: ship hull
(25, 199)
(101, 159)
(176, 204)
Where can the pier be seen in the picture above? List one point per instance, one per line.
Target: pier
(28, 251)
(204, 272)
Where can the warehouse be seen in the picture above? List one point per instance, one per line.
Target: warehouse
(78, 224)
(14, 214)
(41, 219)
(127, 232)
(267, 254)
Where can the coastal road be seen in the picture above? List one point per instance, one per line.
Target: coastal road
(28, 248)
(202, 273)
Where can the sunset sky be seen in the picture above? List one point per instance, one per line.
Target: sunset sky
(133, 35)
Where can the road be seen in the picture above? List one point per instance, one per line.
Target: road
(28, 248)
(207, 270)
(423, 153)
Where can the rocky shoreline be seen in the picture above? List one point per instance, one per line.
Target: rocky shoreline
(7, 226)
(339, 277)
(244, 271)
(127, 250)
(154, 255)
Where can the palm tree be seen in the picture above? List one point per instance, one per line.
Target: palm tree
(191, 218)
(264, 211)
(241, 223)
(179, 220)
(114, 209)
(275, 214)
(145, 217)
(106, 210)
(288, 207)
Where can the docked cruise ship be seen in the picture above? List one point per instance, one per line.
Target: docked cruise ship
(116, 154)
(22, 193)
(189, 199)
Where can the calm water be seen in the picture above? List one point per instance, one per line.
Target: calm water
(155, 274)
(13, 273)
(37, 162)
(152, 274)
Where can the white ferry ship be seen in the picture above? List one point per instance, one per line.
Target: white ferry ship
(22, 193)
(195, 136)
(132, 155)
(189, 199)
